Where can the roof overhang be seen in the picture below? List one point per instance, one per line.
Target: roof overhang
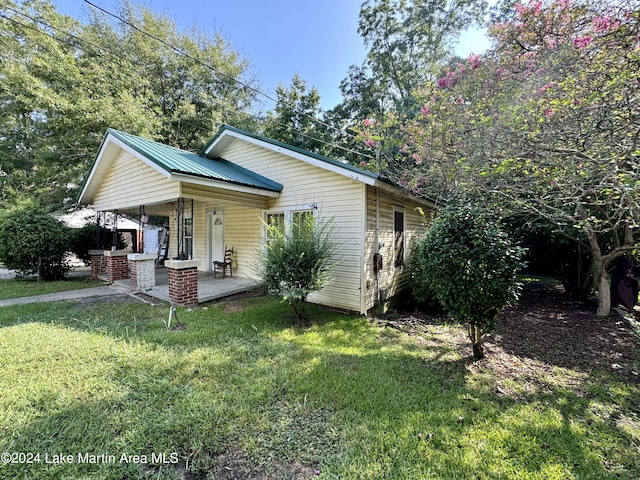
(227, 135)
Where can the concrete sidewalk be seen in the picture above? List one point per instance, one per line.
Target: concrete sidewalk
(105, 291)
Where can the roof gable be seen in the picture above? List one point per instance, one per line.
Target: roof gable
(172, 162)
(227, 134)
(176, 161)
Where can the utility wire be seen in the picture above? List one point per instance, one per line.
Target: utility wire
(116, 59)
(229, 77)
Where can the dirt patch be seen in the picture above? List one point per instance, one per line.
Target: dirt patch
(120, 298)
(234, 464)
(233, 303)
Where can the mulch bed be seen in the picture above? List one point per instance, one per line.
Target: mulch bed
(547, 329)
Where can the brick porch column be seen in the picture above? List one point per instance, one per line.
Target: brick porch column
(183, 281)
(97, 257)
(142, 270)
(117, 265)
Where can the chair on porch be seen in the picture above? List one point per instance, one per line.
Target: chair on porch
(222, 266)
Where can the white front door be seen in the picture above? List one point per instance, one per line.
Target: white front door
(215, 220)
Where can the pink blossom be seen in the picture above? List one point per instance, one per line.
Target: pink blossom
(425, 110)
(473, 61)
(363, 164)
(602, 24)
(416, 158)
(370, 143)
(546, 87)
(549, 112)
(449, 80)
(368, 122)
(537, 7)
(552, 42)
(582, 42)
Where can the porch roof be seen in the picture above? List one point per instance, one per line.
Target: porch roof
(175, 164)
(175, 160)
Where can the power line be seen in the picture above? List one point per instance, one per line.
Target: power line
(116, 59)
(187, 55)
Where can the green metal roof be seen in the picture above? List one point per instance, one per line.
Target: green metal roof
(175, 160)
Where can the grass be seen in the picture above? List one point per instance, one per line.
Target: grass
(15, 288)
(242, 394)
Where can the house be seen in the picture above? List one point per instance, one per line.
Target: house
(223, 195)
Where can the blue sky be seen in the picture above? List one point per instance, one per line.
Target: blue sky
(318, 39)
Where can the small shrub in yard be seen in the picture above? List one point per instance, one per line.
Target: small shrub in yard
(298, 259)
(32, 241)
(470, 265)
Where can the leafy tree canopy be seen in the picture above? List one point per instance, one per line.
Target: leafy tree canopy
(546, 123)
(65, 82)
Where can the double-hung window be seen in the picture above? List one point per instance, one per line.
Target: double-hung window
(296, 221)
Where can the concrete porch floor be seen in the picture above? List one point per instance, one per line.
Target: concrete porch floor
(209, 288)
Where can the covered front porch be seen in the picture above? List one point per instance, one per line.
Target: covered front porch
(206, 205)
(210, 287)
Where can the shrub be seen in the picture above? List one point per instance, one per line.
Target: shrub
(470, 265)
(32, 241)
(298, 260)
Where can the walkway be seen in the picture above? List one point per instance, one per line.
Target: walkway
(105, 291)
(209, 288)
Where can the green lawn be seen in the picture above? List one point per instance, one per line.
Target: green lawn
(26, 287)
(241, 394)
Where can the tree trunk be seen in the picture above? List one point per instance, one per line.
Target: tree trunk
(600, 273)
(39, 269)
(476, 341)
(604, 293)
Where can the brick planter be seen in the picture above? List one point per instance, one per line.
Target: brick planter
(142, 270)
(117, 265)
(97, 262)
(183, 281)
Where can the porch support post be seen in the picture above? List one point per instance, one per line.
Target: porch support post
(142, 270)
(117, 265)
(97, 261)
(183, 282)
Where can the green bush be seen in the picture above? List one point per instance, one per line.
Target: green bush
(33, 242)
(298, 260)
(470, 265)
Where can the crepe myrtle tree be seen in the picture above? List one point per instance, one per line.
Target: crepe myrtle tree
(470, 266)
(546, 124)
(298, 258)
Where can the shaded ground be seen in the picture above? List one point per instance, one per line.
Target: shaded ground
(544, 332)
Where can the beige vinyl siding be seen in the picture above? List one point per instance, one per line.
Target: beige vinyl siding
(242, 229)
(211, 195)
(130, 183)
(392, 278)
(336, 197)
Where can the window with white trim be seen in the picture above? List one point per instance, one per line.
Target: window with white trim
(275, 220)
(294, 218)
